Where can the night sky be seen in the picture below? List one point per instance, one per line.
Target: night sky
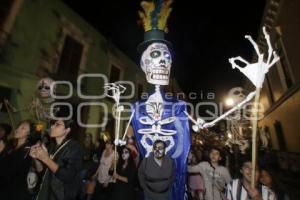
(204, 36)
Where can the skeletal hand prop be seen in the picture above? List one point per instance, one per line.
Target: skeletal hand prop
(115, 89)
(200, 123)
(255, 72)
(119, 142)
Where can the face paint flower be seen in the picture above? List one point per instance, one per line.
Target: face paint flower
(156, 62)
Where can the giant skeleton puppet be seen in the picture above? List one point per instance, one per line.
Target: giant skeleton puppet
(40, 106)
(237, 122)
(158, 117)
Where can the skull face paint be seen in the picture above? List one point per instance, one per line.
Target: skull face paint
(237, 94)
(43, 87)
(125, 154)
(159, 150)
(156, 63)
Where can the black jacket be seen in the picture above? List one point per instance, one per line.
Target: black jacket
(65, 183)
(14, 167)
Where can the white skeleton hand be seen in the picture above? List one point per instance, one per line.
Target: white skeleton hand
(200, 124)
(119, 142)
(115, 89)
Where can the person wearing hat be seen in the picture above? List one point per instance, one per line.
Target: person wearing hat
(159, 117)
(215, 176)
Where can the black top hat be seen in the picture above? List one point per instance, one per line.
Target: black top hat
(154, 17)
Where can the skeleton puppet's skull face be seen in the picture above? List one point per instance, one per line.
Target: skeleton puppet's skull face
(156, 63)
(237, 94)
(44, 87)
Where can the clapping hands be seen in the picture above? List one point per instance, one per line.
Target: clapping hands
(39, 152)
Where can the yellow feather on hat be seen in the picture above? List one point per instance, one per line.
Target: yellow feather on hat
(148, 8)
(164, 14)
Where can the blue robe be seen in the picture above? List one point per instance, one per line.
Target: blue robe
(179, 152)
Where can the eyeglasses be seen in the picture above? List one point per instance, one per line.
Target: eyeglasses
(57, 124)
(43, 87)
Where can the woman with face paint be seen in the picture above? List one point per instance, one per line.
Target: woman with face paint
(124, 176)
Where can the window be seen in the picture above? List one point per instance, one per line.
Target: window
(115, 74)
(285, 68)
(280, 135)
(276, 86)
(5, 9)
(5, 93)
(270, 94)
(70, 59)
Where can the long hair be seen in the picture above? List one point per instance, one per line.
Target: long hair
(7, 129)
(277, 185)
(33, 136)
(130, 162)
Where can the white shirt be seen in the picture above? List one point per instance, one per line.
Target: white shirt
(235, 189)
(215, 179)
(102, 172)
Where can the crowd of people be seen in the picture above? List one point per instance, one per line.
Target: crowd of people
(57, 167)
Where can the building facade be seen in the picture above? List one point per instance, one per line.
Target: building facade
(280, 95)
(47, 39)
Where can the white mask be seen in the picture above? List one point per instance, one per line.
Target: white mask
(156, 63)
(125, 156)
(44, 86)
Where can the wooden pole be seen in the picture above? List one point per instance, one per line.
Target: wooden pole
(116, 137)
(117, 132)
(254, 134)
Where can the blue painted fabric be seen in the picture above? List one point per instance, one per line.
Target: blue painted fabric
(180, 150)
